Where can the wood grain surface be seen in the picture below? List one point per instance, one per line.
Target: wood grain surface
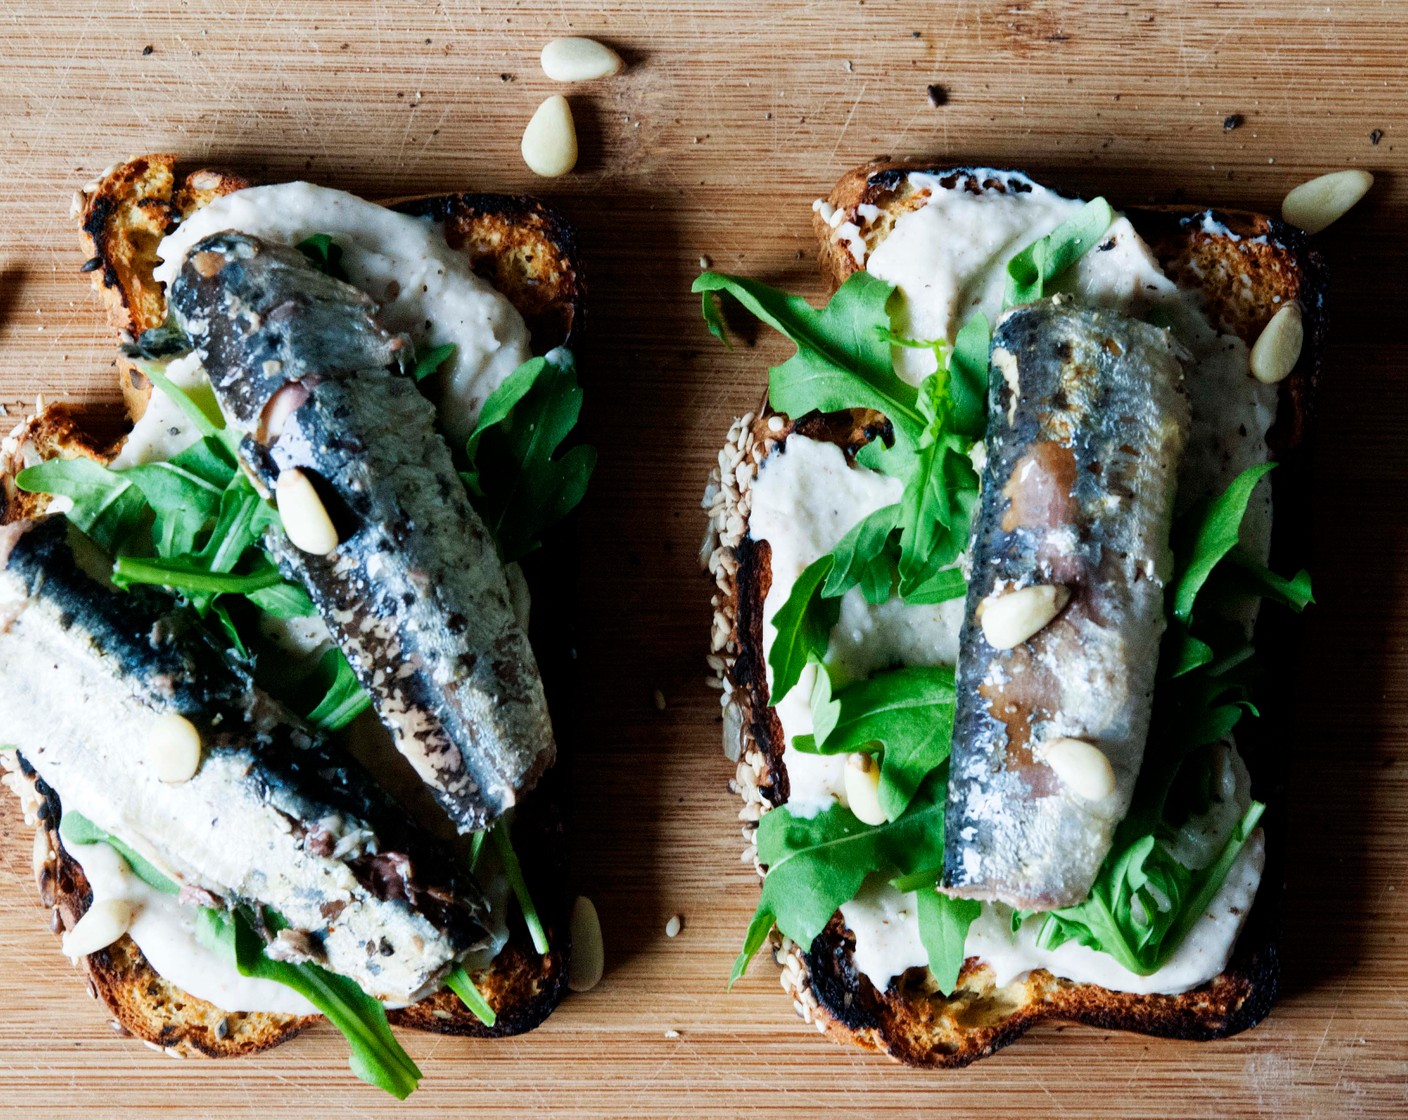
(731, 118)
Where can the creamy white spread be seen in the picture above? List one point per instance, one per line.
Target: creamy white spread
(424, 287)
(165, 932)
(804, 501)
(164, 430)
(948, 259)
(887, 938)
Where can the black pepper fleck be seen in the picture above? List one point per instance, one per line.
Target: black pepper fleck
(1235, 120)
(938, 95)
(1376, 136)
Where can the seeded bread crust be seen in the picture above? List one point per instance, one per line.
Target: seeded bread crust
(528, 252)
(1247, 266)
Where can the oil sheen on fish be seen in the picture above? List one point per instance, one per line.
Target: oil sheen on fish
(271, 819)
(414, 593)
(1086, 426)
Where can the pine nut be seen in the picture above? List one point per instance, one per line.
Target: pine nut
(863, 789)
(1081, 766)
(1277, 348)
(305, 518)
(579, 60)
(103, 923)
(175, 748)
(1314, 205)
(1010, 619)
(588, 957)
(550, 140)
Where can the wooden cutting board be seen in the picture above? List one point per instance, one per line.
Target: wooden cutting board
(730, 120)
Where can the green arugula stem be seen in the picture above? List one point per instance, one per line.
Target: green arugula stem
(460, 982)
(181, 576)
(508, 858)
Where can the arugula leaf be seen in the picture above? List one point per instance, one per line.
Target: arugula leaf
(967, 365)
(936, 510)
(907, 713)
(938, 587)
(199, 405)
(462, 985)
(1294, 592)
(826, 710)
(283, 600)
(210, 571)
(325, 254)
(516, 478)
(1208, 882)
(937, 346)
(513, 872)
(433, 360)
(1182, 653)
(1206, 534)
(943, 931)
(842, 360)
(864, 557)
(75, 828)
(221, 609)
(343, 697)
(968, 377)
(1144, 902)
(199, 492)
(106, 506)
(816, 864)
(376, 1056)
(1046, 259)
(803, 626)
(184, 493)
(476, 850)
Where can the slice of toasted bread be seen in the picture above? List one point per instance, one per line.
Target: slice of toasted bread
(54, 432)
(528, 253)
(142, 1003)
(1246, 266)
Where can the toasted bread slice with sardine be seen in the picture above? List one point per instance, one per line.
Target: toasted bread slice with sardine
(528, 253)
(1245, 266)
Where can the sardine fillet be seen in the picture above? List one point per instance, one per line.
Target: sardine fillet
(1087, 422)
(414, 594)
(270, 819)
